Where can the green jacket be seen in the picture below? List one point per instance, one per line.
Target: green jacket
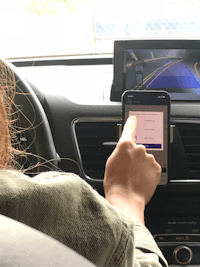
(66, 208)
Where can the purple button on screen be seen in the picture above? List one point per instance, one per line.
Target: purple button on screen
(152, 145)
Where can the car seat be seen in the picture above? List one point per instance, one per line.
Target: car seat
(22, 245)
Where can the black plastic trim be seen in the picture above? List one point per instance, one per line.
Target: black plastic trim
(66, 61)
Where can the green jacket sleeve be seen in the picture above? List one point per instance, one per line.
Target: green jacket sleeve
(66, 208)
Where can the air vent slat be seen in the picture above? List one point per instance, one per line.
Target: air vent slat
(90, 137)
(192, 149)
(191, 140)
(91, 131)
(94, 140)
(193, 158)
(190, 137)
(194, 167)
(194, 130)
(92, 149)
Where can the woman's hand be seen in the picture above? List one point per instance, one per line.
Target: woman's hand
(131, 174)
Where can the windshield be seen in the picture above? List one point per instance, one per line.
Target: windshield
(40, 28)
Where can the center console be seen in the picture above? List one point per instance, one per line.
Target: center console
(173, 217)
(180, 249)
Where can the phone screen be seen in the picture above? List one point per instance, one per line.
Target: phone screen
(152, 126)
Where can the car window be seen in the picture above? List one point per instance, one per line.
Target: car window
(37, 28)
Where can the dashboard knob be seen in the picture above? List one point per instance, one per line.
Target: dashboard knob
(183, 255)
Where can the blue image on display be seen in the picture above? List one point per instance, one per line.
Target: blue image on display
(176, 76)
(175, 71)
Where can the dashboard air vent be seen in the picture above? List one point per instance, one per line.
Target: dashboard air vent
(96, 141)
(190, 137)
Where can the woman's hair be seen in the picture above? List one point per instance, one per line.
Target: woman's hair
(7, 132)
(13, 154)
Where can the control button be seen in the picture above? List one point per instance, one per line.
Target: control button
(183, 255)
(177, 237)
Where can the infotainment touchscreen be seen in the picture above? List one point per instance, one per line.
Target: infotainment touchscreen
(169, 65)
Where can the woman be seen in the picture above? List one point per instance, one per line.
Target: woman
(108, 232)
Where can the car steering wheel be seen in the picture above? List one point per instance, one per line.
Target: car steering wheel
(36, 134)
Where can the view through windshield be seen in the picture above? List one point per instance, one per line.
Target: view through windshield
(37, 28)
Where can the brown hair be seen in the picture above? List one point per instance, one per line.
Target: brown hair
(7, 92)
(13, 154)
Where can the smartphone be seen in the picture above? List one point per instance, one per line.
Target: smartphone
(152, 109)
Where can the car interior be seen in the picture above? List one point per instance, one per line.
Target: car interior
(77, 133)
(71, 107)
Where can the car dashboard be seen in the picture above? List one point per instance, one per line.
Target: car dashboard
(85, 126)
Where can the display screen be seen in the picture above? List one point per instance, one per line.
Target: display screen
(149, 129)
(152, 113)
(169, 65)
(175, 71)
